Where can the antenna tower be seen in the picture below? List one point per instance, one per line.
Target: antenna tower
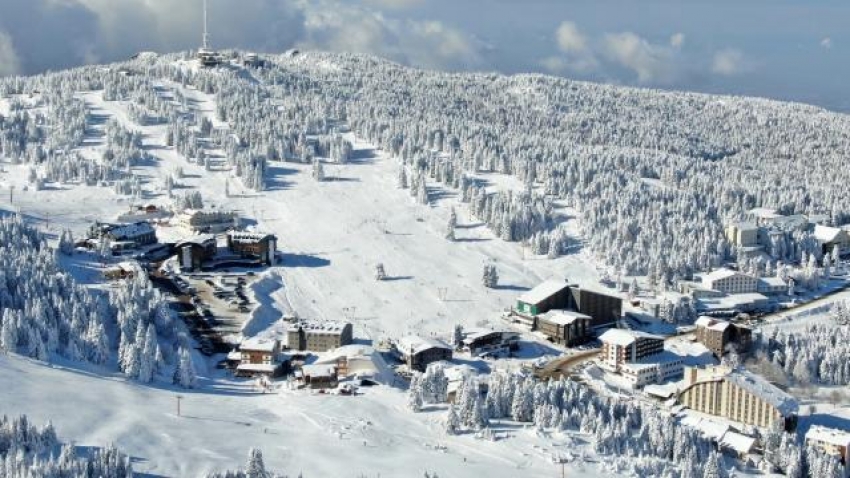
(206, 39)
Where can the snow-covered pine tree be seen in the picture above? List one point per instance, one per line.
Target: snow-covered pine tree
(414, 392)
(255, 467)
(452, 422)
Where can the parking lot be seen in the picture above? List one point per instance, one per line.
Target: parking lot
(214, 306)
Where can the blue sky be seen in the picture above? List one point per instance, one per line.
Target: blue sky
(785, 49)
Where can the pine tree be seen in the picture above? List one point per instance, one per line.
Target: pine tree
(255, 468)
(184, 373)
(457, 337)
(452, 422)
(414, 393)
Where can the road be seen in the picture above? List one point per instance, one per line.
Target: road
(561, 366)
(782, 314)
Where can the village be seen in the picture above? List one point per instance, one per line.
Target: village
(629, 346)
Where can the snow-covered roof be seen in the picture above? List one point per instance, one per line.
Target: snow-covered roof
(471, 335)
(666, 390)
(738, 442)
(414, 344)
(709, 428)
(745, 226)
(257, 367)
(829, 435)
(234, 355)
(712, 323)
(625, 337)
(132, 230)
(720, 274)
(773, 281)
(827, 234)
(564, 317)
(259, 345)
(249, 237)
(319, 370)
(324, 327)
(200, 240)
(764, 213)
(543, 291)
(758, 386)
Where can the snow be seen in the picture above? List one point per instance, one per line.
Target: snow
(414, 344)
(370, 434)
(542, 292)
(319, 370)
(829, 435)
(625, 337)
(758, 386)
(742, 444)
(259, 345)
(564, 317)
(826, 234)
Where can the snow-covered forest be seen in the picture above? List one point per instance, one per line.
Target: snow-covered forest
(46, 314)
(653, 175)
(818, 354)
(28, 451)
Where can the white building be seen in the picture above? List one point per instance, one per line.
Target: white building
(832, 441)
(627, 346)
(743, 234)
(654, 369)
(730, 282)
(771, 286)
(207, 220)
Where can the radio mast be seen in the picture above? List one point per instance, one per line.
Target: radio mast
(206, 38)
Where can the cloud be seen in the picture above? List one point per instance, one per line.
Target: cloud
(677, 40)
(9, 62)
(423, 43)
(576, 54)
(729, 62)
(395, 4)
(652, 63)
(570, 39)
(826, 43)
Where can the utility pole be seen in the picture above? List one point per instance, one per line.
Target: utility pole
(178, 397)
(11, 194)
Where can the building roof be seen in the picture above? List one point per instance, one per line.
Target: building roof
(414, 344)
(829, 435)
(259, 345)
(712, 323)
(321, 327)
(625, 337)
(132, 230)
(564, 317)
(827, 234)
(764, 213)
(758, 386)
(773, 281)
(720, 274)
(319, 370)
(543, 291)
(738, 442)
(257, 367)
(745, 226)
(198, 240)
(249, 237)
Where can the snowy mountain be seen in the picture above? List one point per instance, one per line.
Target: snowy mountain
(365, 170)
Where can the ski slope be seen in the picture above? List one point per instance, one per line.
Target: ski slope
(318, 435)
(331, 234)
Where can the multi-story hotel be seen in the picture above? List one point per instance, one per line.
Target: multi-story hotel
(738, 395)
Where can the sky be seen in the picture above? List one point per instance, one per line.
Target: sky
(796, 50)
